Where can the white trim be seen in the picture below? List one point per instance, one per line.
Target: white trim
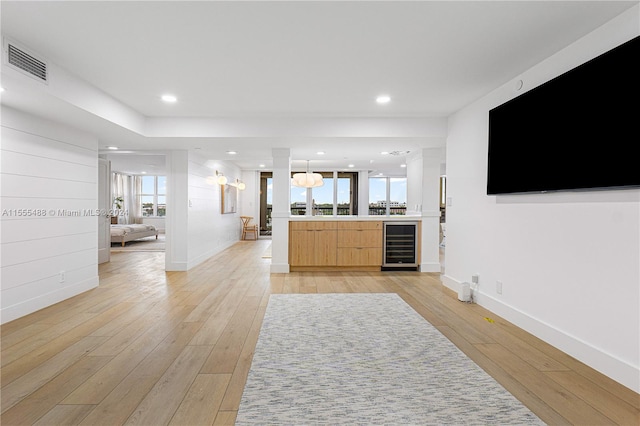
(430, 267)
(279, 268)
(617, 369)
(175, 266)
(42, 301)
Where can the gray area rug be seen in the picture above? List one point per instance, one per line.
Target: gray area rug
(365, 359)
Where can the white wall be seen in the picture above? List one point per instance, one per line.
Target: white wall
(50, 171)
(569, 262)
(250, 197)
(209, 231)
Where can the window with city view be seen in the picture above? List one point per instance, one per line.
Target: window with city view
(337, 196)
(345, 198)
(323, 198)
(153, 197)
(387, 196)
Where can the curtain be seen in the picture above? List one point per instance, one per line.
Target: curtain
(129, 188)
(117, 191)
(135, 209)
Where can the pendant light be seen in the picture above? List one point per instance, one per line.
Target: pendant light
(307, 180)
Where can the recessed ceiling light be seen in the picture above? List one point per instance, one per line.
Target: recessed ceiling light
(351, 165)
(144, 173)
(169, 98)
(403, 165)
(384, 153)
(1, 89)
(320, 153)
(112, 147)
(383, 99)
(261, 166)
(232, 152)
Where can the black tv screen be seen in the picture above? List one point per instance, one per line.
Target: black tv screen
(578, 131)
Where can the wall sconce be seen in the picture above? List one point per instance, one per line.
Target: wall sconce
(238, 184)
(222, 179)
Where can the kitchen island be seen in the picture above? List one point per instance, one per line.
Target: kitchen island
(343, 243)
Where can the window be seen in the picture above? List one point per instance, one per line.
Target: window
(387, 196)
(153, 198)
(323, 196)
(298, 200)
(397, 196)
(378, 196)
(338, 196)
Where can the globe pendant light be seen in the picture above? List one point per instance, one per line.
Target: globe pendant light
(307, 179)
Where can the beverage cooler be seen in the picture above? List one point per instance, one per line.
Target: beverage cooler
(400, 247)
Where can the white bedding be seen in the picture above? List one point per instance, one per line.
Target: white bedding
(121, 230)
(124, 233)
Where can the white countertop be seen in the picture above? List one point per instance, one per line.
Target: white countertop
(354, 218)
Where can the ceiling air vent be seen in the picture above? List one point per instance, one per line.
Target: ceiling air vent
(26, 62)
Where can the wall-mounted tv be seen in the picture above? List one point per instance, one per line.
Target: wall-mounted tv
(578, 131)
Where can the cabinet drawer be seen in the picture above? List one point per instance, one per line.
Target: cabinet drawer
(312, 225)
(360, 224)
(359, 256)
(359, 238)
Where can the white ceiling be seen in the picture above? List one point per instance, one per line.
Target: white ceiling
(298, 59)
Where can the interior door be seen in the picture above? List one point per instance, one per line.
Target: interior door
(104, 204)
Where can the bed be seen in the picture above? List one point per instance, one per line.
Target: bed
(123, 233)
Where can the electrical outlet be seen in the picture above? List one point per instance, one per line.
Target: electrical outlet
(61, 276)
(475, 278)
(499, 287)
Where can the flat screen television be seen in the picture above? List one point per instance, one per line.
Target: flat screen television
(578, 131)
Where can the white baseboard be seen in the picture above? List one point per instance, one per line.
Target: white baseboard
(430, 267)
(42, 301)
(279, 268)
(609, 365)
(176, 266)
(450, 283)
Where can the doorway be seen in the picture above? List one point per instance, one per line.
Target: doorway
(266, 194)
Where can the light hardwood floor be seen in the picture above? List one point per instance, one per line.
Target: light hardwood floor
(155, 348)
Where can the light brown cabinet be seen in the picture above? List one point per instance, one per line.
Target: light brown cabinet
(360, 243)
(325, 245)
(312, 243)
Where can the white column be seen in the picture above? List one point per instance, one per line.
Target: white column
(363, 193)
(281, 207)
(177, 220)
(425, 197)
(414, 184)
